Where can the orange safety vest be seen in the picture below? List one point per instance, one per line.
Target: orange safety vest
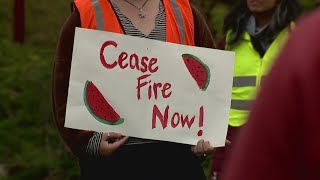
(99, 15)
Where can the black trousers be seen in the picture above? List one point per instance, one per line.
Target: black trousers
(155, 161)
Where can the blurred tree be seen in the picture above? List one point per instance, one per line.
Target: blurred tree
(214, 12)
(18, 22)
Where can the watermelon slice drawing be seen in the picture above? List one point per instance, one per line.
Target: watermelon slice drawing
(99, 107)
(198, 70)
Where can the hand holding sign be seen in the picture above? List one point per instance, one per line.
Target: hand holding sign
(203, 148)
(110, 142)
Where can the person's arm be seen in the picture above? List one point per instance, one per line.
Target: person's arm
(77, 140)
(202, 34)
(81, 143)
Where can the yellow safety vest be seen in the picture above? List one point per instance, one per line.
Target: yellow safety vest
(249, 71)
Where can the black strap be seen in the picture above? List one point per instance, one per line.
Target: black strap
(257, 46)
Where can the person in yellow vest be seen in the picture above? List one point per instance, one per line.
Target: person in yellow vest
(256, 31)
(110, 155)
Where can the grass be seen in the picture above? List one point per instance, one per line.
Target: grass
(30, 147)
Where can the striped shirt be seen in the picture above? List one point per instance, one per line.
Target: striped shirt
(158, 33)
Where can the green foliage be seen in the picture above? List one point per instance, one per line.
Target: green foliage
(308, 4)
(206, 165)
(29, 143)
(30, 147)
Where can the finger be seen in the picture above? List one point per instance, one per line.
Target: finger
(114, 146)
(200, 147)
(113, 135)
(104, 136)
(209, 148)
(195, 149)
(228, 142)
(206, 146)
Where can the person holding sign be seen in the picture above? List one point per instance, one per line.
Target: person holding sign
(256, 31)
(110, 154)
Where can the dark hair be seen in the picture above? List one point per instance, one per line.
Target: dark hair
(286, 12)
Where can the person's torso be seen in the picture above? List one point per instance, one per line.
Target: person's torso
(249, 71)
(174, 23)
(100, 15)
(158, 33)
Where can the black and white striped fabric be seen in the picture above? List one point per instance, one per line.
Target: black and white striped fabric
(94, 144)
(158, 33)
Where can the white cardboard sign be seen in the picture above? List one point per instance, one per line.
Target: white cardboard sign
(149, 89)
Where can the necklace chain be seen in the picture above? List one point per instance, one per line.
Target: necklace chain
(141, 12)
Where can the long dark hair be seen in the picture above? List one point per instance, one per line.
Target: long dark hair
(286, 12)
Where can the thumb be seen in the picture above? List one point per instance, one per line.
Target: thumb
(113, 135)
(117, 144)
(228, 142)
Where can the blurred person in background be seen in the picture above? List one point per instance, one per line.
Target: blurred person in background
(255, 30)
(280, 140)
(103, 154)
